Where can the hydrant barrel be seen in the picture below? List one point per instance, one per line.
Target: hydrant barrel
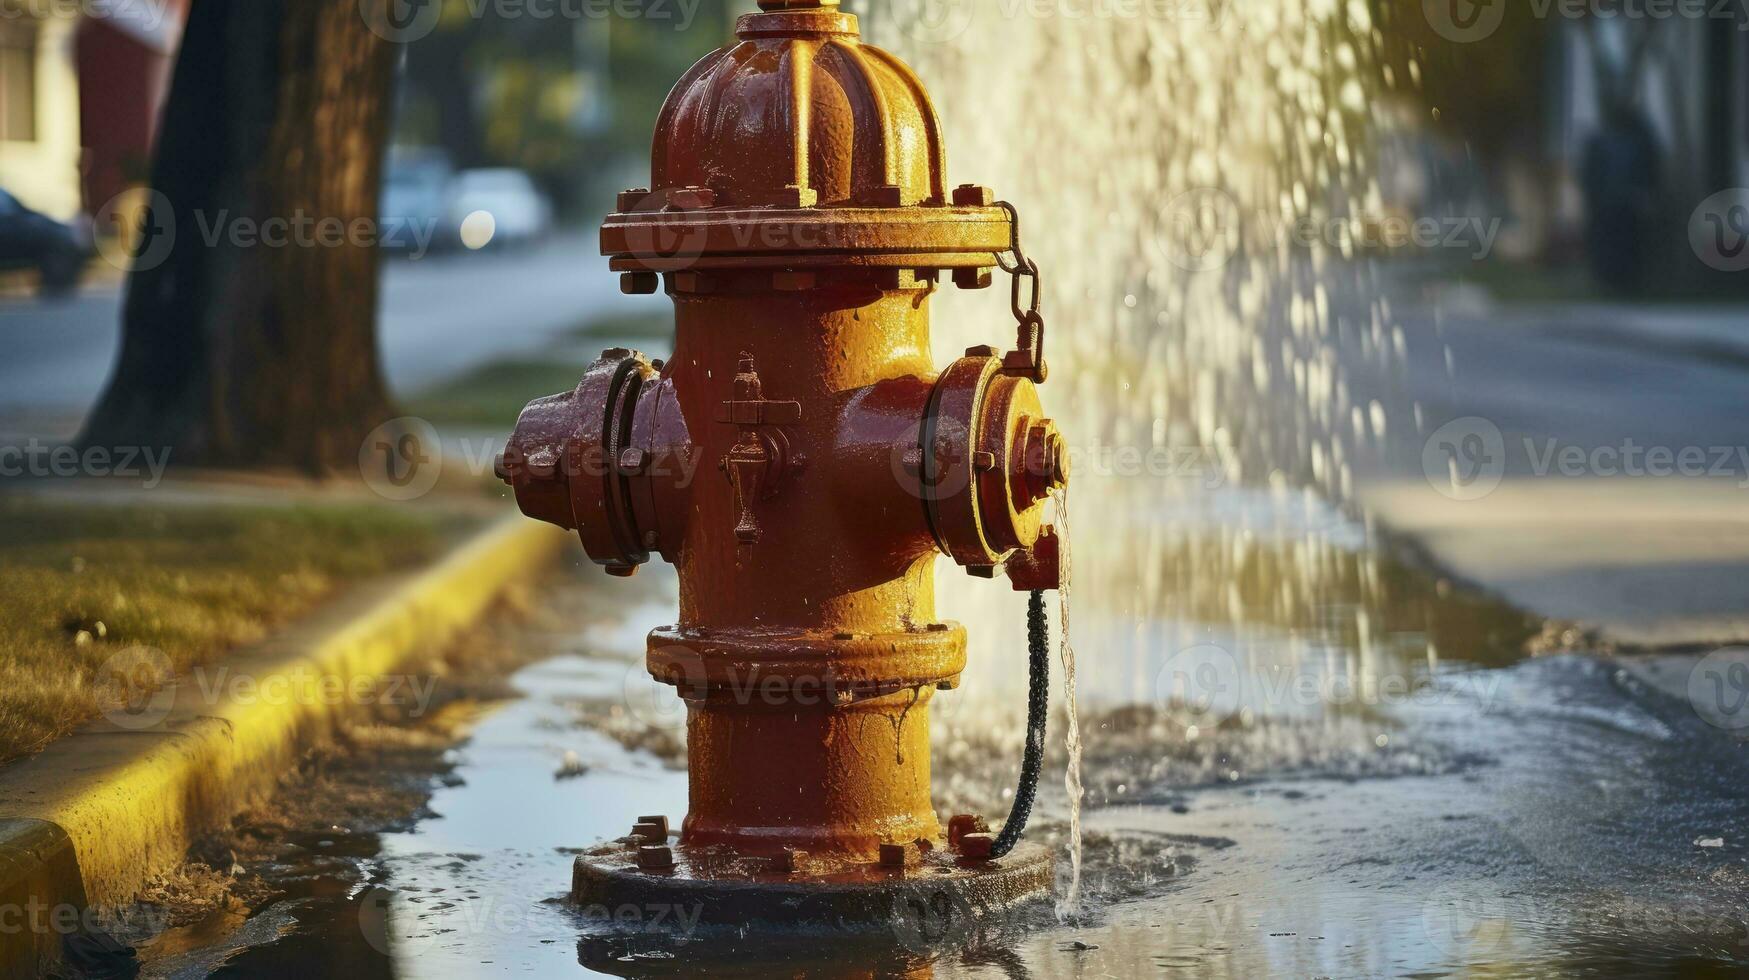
(799, 458)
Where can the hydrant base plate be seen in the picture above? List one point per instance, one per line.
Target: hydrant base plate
(937, 897)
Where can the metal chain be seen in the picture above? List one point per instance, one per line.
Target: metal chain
(1028, 359)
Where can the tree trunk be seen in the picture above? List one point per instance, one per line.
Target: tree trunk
(252, 341)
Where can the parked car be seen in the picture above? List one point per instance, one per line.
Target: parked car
(29, 240)
(520, 212)
(415, 205)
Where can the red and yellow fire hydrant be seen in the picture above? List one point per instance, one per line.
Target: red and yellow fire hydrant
(801, 462)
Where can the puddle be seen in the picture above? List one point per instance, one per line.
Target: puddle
(1528, 816)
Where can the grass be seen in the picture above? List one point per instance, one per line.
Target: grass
(628, 326)
(82, 584)
(493, 395)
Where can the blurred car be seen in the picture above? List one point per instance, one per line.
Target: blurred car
(415, 204)
(29, 240)
(520, 213)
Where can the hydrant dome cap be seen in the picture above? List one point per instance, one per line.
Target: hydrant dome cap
(800, 113)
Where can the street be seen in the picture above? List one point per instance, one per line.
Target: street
(439, 316)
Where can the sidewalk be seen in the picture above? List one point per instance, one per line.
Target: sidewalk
(1575, 396)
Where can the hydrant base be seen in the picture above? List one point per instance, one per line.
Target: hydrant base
(936, 898)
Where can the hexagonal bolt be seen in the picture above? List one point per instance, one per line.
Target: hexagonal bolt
(973, 196)
(796, 196)
(655, 857)
(639, 283)
(691, 198)
(961, 824)
(633, 199)
(977, 847)
(973, 278)
(650, 833)
(896, 855)
(693, 282)
(789, 861)
(631, 461)
(885, 196)
(659, 820)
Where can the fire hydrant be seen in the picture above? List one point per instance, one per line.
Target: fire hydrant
(801, 463)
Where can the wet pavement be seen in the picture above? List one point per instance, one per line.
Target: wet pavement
(1308, 806)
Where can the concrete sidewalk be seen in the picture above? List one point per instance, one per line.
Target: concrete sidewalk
(1561, 403)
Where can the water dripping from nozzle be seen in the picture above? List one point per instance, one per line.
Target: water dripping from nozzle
(1069, 907)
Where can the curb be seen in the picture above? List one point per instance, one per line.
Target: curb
(91, 818)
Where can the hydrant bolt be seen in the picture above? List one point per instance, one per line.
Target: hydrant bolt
(655, 857)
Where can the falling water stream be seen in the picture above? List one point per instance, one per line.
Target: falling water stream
(1069, 906)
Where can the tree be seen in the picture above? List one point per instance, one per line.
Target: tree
(251, 339)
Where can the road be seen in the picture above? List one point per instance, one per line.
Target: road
(439, 316)
(1586, 462)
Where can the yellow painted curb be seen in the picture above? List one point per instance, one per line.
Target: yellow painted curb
(96, 814)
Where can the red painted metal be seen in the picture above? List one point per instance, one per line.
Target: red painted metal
(798, 459)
